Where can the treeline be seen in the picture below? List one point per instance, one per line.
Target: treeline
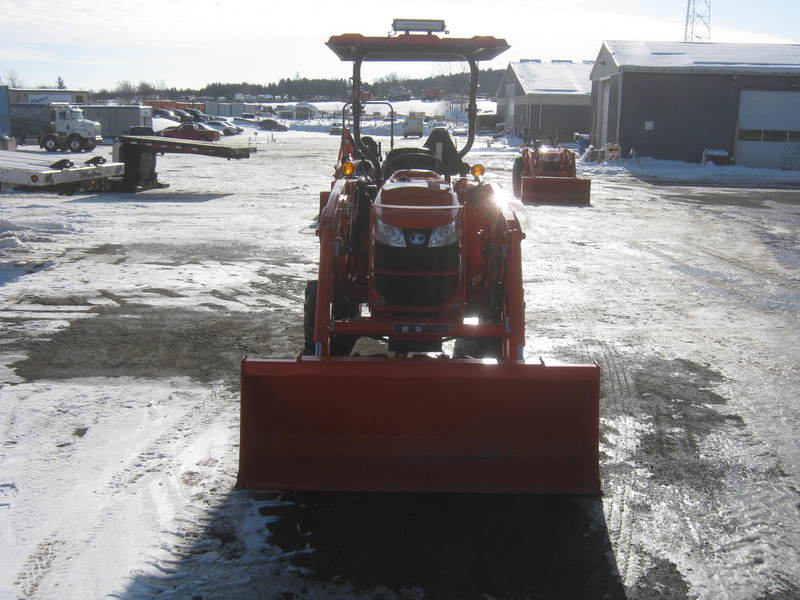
(301, 88)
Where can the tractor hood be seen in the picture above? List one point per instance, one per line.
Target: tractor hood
(416, 203)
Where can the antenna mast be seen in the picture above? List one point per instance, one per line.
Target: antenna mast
(698, 21)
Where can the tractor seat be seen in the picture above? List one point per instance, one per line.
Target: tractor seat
(410, 159)
(440, 144)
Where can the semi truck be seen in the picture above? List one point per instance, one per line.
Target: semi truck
(54, 126)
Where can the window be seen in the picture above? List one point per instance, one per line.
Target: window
(749, 135)
(773, 135)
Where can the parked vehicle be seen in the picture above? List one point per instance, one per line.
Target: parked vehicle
(272, 125)
(197, 115)
(183, 116)
(413, 126)
(193, 131)
(543, 173)
(140, 130)
(165, 113)
(227, 123)
(54, 126)
(225, 128)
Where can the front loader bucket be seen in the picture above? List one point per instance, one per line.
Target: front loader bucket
(419, 425)
(556, 190)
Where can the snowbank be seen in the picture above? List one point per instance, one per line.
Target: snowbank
(671, 171)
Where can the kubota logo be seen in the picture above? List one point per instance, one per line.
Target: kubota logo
(417, 238)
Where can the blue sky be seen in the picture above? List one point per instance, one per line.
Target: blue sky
(188, 43)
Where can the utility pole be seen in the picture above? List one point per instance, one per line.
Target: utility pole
(698, 21)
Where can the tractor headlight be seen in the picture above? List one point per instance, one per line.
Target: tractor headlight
(444, 235)
(389, 234)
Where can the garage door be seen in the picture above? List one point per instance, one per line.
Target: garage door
(769, 129)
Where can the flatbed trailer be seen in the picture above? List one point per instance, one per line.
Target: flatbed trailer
(36, 170)
(133, 166)
(161, 144)
(138, 152)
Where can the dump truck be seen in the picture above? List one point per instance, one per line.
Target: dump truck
(547, 174)
(419, 256)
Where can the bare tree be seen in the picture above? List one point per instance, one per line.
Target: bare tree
(125, 90)
(145, 89)
(13, 80)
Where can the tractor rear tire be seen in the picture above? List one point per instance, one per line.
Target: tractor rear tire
(516, 177)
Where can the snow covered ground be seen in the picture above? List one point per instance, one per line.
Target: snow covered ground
(123, 316)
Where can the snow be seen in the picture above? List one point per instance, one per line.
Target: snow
(104, 478)
(673, 171)
(705, 56)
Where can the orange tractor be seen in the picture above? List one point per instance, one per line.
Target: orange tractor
(419, 254)
(547, 174)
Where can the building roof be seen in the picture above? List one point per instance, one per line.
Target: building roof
(554, 77)
(704, 57)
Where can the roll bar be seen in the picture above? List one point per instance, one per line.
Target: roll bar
(357, 48)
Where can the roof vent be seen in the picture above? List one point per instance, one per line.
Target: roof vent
(531, 60)
(560, 61)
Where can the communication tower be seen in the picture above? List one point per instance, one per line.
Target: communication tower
(698, 21)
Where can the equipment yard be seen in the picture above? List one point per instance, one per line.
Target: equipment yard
(123, 319)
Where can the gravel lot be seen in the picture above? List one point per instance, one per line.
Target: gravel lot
(123, 318)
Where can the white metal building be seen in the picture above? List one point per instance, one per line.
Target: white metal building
(545, 100)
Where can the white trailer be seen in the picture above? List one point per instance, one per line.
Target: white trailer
(117, 120)
(38, 170)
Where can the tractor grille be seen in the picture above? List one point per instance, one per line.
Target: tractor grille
(410, 258)
(416, 290)
(432, 274)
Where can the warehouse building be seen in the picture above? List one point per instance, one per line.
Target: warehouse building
(541, 100)
(673, 100)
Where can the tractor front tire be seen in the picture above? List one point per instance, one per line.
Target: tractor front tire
(516, 177)
(309, 316)
(340, 345)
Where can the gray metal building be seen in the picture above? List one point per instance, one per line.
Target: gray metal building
(672, 100)
(545, 100)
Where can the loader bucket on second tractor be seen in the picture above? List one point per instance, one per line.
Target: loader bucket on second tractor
(419, 425)
(556, 190)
